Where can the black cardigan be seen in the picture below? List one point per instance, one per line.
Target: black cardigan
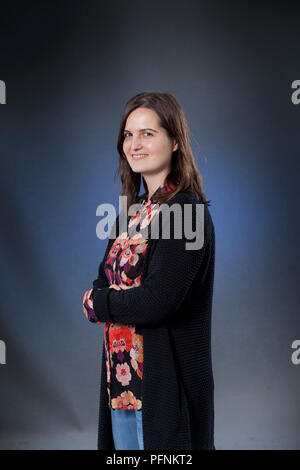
(173, 307)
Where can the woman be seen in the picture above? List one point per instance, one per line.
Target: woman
(153, 294)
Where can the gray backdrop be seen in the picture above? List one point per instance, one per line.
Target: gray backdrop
(69, 68)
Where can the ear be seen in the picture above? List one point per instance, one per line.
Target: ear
(175, 146)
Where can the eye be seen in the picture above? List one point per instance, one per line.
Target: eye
(127, 133)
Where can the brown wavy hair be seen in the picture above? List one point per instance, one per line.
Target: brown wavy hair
(184, 173)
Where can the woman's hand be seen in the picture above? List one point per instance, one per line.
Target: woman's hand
(120, 287)
(115, 286)
(88, 308)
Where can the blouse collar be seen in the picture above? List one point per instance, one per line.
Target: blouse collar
(162, 189)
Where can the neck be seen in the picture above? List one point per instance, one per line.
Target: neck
(154, 182)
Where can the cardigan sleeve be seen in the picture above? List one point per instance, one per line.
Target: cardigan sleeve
(171, 271)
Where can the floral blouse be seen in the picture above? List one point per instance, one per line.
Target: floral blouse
(124, 343)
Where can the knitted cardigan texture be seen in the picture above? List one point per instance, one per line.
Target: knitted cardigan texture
(173, 306)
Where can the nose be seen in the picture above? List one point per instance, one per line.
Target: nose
(135, 143)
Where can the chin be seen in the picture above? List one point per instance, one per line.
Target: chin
(139, 167)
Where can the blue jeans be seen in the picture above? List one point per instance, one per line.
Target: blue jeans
(127, 429)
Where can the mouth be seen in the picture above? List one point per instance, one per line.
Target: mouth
(139, 156)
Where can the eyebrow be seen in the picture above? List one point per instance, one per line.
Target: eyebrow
(141, 130)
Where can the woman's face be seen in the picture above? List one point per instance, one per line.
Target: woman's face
(144, 136)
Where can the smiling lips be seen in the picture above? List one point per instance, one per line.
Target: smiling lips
(139, 156)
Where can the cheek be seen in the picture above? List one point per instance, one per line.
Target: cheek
(126, 147)
(160, 150)
(159, 146)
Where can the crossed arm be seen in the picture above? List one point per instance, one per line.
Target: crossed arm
(171, 272)
(164, 289)
(88, 303)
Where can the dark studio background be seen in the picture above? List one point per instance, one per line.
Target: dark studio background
(69, 68)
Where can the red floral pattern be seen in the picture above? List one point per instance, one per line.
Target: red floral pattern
(124, 343)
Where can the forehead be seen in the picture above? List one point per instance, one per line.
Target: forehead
(141, 118)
